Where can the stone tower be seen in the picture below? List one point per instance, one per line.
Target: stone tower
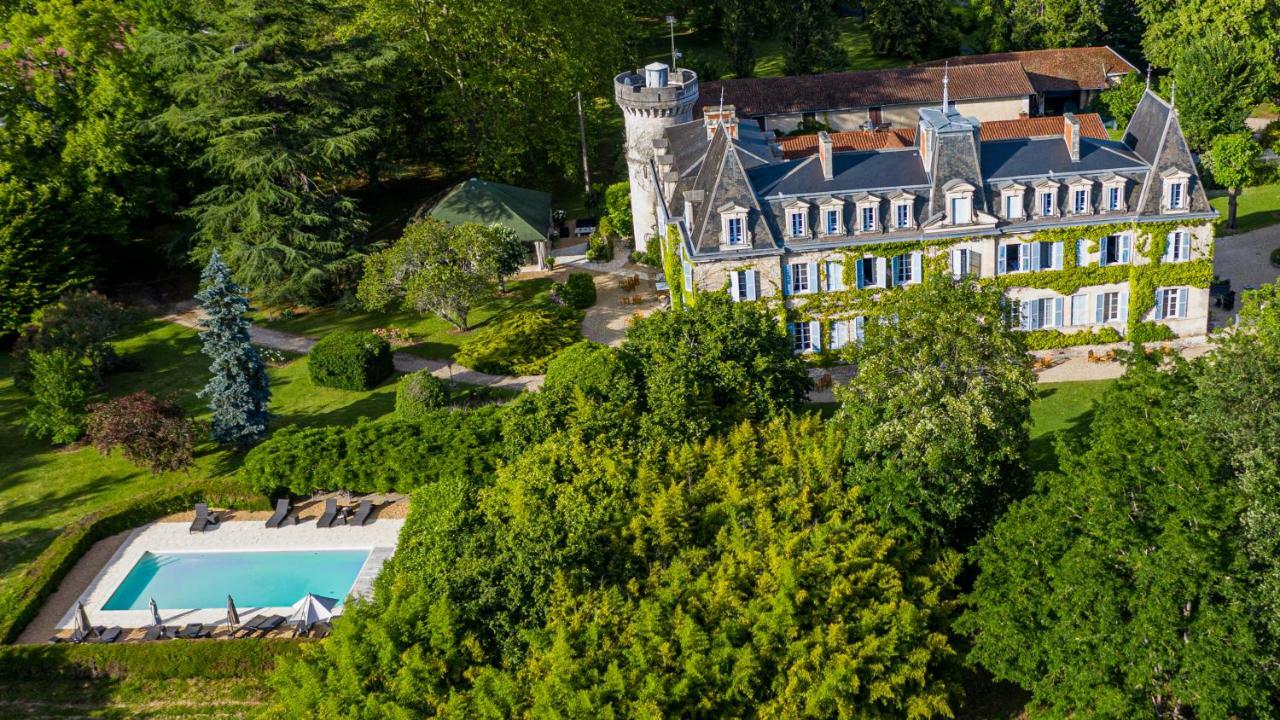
(651, 99)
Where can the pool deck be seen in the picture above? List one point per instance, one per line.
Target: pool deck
(379, 538)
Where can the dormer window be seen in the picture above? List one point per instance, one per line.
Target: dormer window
(1113, 195)
(1045, 202)
(1011, 202)
(798, 219)
(1175, 190)
(733, 226)
(831, 213)
(901, 205)
(959, 202)
(868, 207)
(1079, 200)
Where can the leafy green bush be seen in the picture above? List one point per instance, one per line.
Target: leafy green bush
(43, 575)
(577, 291)
(60, 386)
(652, 255)
(350, 360)
(1052, 339)
(617, 203)
(522, 342)
(420, 393)
(376, 456)
(600, 246)
(1150, 332)
(148, 661)
(597, 371)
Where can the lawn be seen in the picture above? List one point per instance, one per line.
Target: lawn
(44, 488)
(434, 338)
(1059, 407)
(1258, 206)
(703, 45)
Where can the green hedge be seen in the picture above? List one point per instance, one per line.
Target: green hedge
(42, 577)
(350, 360)
(522, 342)
(577, 291)
(1052, 339)
(376, 456)
(1149, 332)
(420, 393)
(204, 659)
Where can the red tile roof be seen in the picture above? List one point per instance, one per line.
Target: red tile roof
(803, 145)
(754, 97)
(1060, 69)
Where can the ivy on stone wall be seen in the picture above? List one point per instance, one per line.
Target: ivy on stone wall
(672, 267)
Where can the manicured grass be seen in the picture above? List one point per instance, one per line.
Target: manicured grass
(1060, 407)
(43, 488)
(1257, 207)
(706, 44)
(435, 338)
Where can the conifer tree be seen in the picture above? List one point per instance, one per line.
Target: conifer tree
(238, 391)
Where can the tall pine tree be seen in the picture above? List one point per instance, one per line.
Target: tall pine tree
(810, 38)
(285, 115)
(238, 391)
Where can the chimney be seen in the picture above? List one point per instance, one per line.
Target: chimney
(713, 116)
(1071, 134)
(824, 154)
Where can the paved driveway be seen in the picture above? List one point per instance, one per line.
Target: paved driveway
(1245, 260)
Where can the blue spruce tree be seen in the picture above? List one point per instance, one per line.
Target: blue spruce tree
(238, 391)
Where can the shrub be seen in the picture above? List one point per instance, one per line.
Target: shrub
(617, 204)
(522, 342)
(152, 433)
(652, 255)
(148, 661)
(600, 246)
(597, 371)
(577, 291)
(60, 387)
(1149, 332)
(80, 323)
(376, 456)
(418, 394)
(1275, 257)
(1052, 339)
(350, 360)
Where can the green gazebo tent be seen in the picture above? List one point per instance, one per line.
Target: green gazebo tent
(527, 212)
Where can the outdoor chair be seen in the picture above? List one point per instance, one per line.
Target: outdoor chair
(281, 513)
(331, 514)
(156, 632)
(362, 514)
(204, 519)
(106, 635)
(193, 631)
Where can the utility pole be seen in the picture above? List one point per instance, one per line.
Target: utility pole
(671, 22)
(582, 133)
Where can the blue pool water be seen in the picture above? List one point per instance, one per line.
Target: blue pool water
(184, 581)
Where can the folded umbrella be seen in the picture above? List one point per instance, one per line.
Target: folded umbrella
(233, 617)
(155, 613)
(312, 609)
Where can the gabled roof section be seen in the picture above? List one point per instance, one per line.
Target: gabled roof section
(754, 97)
(1057, 69)
(1146, 126)
(722, 180)
(1171, 158)
(1052, 126)
(527, 212)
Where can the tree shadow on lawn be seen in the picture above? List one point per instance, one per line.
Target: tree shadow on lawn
(1042, 454)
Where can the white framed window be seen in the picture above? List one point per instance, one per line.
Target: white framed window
(844, 332)
(805, 336)
(796, 222)
(1114, 250)
(1045, 202)
(1080, 309)
(1012, 258)
(743, 285)
(964, 261)
(1177, 246)
(902, 215)
(905, 269)
(799, 278)
(1108, 308)
(1042, 313)
(1046, 256)
(961, 207)
(831, 224)
(1114, 197)
(1171, 303)
(1013, 206)
(835, 275)
(867, 218)
(868, 272)
(733, 231)
(1080, 201)
(1177, 195)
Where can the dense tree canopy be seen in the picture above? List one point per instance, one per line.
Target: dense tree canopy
(1219, 79)
(913, 29)
(938, 413)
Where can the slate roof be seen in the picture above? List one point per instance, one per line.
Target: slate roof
(1041, 156)
(1055, 70)
(527, 212)
(1146, 126)
(1170, 153)
(851, 172)
(722, 179)
(754, 97)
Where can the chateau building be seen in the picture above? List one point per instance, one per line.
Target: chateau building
(1092, 239)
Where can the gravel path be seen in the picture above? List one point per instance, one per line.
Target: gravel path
(45, 623)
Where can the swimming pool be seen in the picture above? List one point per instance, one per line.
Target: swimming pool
(187, 581)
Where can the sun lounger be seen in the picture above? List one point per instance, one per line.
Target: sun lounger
(204, 520)
(320, 630)
(362, 514)
(282, 512)
(270, 623)
(156, 632)
(333, 515)
(106, 635)
(193, 631)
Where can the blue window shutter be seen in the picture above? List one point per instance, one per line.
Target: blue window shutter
(882, 273)
(1057, 312)
(1169, 241)
(838, 334)
(859, 328)
(1184, 239)
(1100, 302)
(1124, 249)
(1057, 255)
(894, 262)
(813, 277)
(750, 277)
(786, 279)
(1001, 254)
(733, 285)
(1102, 250)
(917, 261)
(1182, 302)
(1024, 257)
(1082, 247)
(1159, 310)
(815, 335)
(791, 333)
(1124, 306)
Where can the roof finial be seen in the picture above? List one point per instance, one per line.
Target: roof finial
(721, 103)
(1173, 95)
(946, 71)
(1148, 76)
